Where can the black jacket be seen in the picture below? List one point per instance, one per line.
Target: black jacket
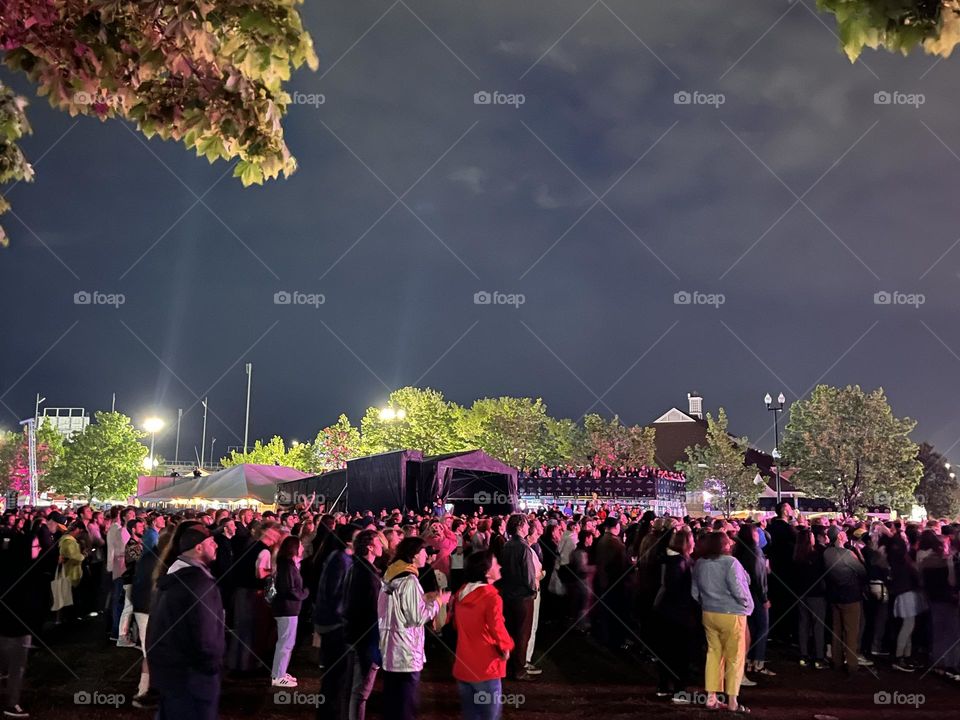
(290, 590)
(185, 637)
(142, 592)
(518, 579)
(674, 600)
(363, 591)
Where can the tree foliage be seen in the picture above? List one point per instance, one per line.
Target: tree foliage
(430, 424)
(719, 467)
(332, 447)
(273, 452)
(103, 460)
(938, 492)
(514, 430)
(609, 442)
(897, 25)
(208, 73)
(15, 458)
(13, 163)
(847, 446)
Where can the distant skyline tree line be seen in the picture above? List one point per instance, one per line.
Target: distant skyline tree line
(842, 444)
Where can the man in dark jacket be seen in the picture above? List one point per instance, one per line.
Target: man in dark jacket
(609, 584)
(185, 637)
(361, 632)
(783, 541)
(846, 579)
(328, 617)
(518, 587)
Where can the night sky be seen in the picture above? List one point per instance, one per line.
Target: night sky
(783, 186)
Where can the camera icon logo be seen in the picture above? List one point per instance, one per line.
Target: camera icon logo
(282, 297)
(283, 698)
(82, 697)
(482, 698)
(882, 698)
(482, 298)
(882, 297)
(882, 97)
(682, 298)
(682, 98)
(482, 498)
(482, 98)
(82, 297)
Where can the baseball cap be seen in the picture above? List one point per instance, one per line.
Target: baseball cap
(192, 537)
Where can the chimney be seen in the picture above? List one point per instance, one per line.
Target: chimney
(695, 404)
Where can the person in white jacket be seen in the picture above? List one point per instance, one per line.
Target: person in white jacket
(117, 537)
(403, 609)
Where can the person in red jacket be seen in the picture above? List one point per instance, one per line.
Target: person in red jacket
(483, 643)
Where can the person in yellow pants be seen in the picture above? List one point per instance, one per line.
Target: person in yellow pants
(726, 648)
(722, 587)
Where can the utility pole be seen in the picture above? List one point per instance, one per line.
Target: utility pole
(246, 424)
(176, 453)
(203, 439)
(113, 403)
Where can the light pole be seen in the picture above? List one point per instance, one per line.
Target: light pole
(203, 436)
(176, 452)
(212, 443)
(153, 425)
(776, 409)
(246, 424)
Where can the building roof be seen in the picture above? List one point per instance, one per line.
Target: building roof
(676, 431)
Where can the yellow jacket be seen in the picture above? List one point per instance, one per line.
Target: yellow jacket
(71, 558)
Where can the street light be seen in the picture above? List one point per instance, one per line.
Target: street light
(388, 414)
(153, 425)
(776, 409)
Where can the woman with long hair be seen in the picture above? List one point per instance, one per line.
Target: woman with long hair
(908, 601)
(722, 587)
(755, 563)
(811, 591)
(675, 615)
(286, 608)
(483, 643)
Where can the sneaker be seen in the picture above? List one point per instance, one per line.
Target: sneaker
(533, 669)
(124, 643)
(663, 693)
(804, 662)
(866, 662)
(880, 653)
(284, 682)
(288, 676)
(15, 711)
(747, 682)
(144, 702)
(902, 665)
(819, 665)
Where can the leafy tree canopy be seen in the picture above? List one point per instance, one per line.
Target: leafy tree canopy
(103, 460)
(847, 446)
(939, 489)
(208, 73)
(897, 25)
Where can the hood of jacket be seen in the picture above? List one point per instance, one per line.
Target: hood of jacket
(397, 568)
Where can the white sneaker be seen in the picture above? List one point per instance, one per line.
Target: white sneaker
(285, 682)
(747, 682)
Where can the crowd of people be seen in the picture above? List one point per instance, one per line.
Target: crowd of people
(600, 470)
(208, 593)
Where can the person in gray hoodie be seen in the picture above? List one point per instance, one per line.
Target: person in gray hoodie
(722, 587)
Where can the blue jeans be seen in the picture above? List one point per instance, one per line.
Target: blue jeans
(286, 639)
(117, 600)
(759, 624)
(480, 700)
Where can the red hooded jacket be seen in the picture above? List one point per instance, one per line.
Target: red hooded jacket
(482, 637)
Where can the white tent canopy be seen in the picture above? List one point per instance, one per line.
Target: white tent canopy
(240, 482)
